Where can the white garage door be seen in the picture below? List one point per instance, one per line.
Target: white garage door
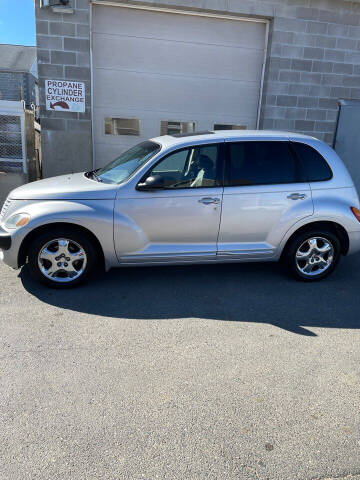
(155, 72)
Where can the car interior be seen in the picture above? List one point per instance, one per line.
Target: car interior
(189, 168)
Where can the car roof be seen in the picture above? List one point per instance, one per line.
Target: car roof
(222, 135)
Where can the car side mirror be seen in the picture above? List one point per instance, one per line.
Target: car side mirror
(152, 182)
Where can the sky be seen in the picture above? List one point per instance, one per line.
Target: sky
(17, 22)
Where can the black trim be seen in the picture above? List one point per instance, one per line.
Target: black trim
(221, 164)
(5, 240)
(337, 125)
(227, 164)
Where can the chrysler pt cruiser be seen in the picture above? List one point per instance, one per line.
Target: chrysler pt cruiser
(217, 196)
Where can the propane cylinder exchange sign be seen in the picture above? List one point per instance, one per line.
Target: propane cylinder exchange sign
(65, 96)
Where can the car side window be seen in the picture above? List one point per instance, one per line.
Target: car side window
(192, 167)
(261, 163)
(172, 163)
(315, 167)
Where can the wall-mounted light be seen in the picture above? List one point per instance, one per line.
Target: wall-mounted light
(53, 3)
(57, 6)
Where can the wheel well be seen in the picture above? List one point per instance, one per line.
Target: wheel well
(333, 227)
(43, 228)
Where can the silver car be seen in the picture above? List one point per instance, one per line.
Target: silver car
(223, 196)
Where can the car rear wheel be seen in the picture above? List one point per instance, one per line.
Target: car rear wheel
(313, 255)
(61, 258)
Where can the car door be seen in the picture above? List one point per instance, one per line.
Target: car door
(264, 195)
(178, 222)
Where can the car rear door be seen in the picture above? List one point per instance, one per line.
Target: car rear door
(264, 195)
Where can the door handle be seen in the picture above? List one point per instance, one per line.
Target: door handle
(297, 196)
(209, 200)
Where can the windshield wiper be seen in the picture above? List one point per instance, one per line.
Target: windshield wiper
(93, 175)
(96, 176)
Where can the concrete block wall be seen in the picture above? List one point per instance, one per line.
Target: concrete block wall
(8, 181)
(63, 42)
(313, 60)
(17, 86)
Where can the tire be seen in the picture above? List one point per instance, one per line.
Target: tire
(313, 255)
(62, 257)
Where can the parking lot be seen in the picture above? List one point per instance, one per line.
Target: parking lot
(202, 372)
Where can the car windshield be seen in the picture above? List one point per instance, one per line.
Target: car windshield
(124, 166)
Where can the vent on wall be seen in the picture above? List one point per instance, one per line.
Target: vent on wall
(122, 126)
(168, 127)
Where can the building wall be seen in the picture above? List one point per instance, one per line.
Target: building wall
(313, 59)
(17, 86)
(63, 42)
(9, 181)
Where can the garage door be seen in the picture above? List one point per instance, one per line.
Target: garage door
(156, 72)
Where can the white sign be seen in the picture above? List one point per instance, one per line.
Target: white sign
(65, 96)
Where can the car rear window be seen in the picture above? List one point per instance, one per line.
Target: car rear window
(262, 163)
(314, 166)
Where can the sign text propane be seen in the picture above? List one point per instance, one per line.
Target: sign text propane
(65, 96)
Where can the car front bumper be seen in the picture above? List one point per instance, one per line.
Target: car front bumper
(5, 239)
(10, 243)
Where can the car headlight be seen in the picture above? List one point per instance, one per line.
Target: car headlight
(18, 220)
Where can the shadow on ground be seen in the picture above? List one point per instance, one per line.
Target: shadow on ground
(228, 292)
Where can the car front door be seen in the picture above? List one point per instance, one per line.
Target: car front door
(264, 195)
(178, 221)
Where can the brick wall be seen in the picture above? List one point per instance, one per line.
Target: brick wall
(313, 59)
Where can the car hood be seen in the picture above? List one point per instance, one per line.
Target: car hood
(65, 187)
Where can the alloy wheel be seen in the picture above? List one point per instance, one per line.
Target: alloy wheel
(314, 256)
(62, 260)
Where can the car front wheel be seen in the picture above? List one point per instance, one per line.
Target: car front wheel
(312, 256)
(61, 258)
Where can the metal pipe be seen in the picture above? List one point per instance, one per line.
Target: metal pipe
(263, 74)
(92, 90)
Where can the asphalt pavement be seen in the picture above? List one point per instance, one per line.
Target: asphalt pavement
(200, 372)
